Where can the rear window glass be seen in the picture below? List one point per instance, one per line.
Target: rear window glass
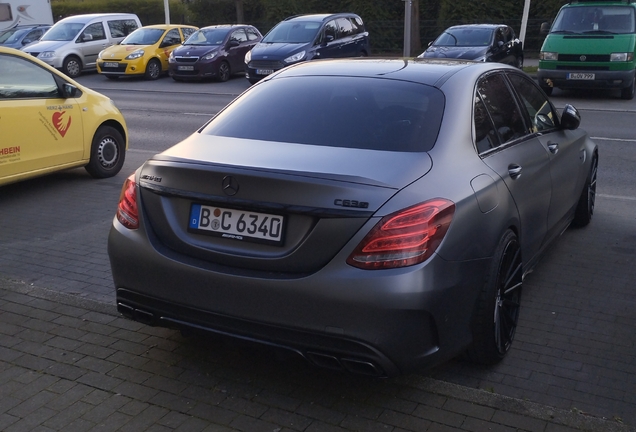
(365, 113)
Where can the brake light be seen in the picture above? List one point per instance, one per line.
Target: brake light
(127, 213)
(404, 238)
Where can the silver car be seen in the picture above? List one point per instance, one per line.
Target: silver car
(373, 215)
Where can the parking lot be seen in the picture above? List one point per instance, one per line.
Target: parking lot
(69, 362)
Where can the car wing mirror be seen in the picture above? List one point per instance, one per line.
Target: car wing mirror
(545, 28)
(233, 43)
(70, 91)
(570, 118)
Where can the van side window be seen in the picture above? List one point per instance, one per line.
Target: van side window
(96, 30)
(357, 25)
(122, 28)
(344, 27)
(331, 31)
(22, 79)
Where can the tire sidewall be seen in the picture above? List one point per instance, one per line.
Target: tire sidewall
(106, 135)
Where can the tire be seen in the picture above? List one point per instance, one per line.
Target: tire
(72, 66)
(587, 200)
(497, 310)
(108, 152)
(153, 70)
(628, 92)
(224, 72)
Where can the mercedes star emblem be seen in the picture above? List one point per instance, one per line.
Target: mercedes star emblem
(230, 186)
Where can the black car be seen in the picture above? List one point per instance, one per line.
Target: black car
(213, 52)
(481, 42)
(307, 37)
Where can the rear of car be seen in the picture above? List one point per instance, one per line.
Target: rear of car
(307, 37)
(144, 52)
(591, 45)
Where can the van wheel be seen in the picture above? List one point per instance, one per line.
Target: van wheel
(108, 152)
(72, 66)
(224, 72)
(628, 92)
(153, 70)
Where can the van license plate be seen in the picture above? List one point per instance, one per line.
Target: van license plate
(111, 65)
(264, 71)
(580, 76)
(236, 224)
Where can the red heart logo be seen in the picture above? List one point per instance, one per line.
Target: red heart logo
(61, 123)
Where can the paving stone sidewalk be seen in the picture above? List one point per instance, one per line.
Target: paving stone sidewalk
(72, 364)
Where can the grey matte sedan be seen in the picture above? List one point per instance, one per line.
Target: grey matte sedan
(373, 215)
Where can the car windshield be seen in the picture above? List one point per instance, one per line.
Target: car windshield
(143, 37)
(11, 36)
(336, 111)
(207, 37)
(465, 37)
(595, 19)
(293, 32)
(63, 32)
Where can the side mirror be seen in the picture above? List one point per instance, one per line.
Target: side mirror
(70, 91)
(328, 38)
(570, 118)
(545, 28)
(233, 43)
(87, 37)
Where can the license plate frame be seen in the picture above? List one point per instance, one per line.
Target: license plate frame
(110, 65)
(583, 76)
(264, 71)
(185, 68)
(235, 224)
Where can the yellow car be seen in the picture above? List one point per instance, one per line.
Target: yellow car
(144, 52)
(48, 122)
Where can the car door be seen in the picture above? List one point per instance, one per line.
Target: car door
(328, 45)
(507, 146)
(170, 41)
(565, 151)
(236, 48)
(346, 39)
(39, 128)
(91, 41)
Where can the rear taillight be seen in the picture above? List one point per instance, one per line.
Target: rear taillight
(127, 213)
(404, 238)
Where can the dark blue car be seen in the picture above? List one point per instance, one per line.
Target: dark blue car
(307, 37)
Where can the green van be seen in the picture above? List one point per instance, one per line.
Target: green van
(591, 44)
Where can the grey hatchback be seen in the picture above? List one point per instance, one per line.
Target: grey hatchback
(372, 215)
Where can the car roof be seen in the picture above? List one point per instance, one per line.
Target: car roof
(488, 26)
(320, 17)
(84, 18)
(224, 26)
(427, 71)
(166, 26)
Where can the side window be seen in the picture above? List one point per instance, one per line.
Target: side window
(21, 79)
(171, 38)
(239, 36)
(251, 34)
(122, 28)
(187, 32)
(345, 29)
(331, 31)
(32, 36)
(502, 108)
(96, 30)
(540, 111)
(485, 134)
(356, 24)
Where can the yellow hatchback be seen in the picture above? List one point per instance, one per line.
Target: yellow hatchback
(144, 52)
(48, 122)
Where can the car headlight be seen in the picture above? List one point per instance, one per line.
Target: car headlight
(46, 54)
(621, 57)
(171, 58)
(209, 56)
(295, 58)
(135, 55)
(546, 55)
(248, 57)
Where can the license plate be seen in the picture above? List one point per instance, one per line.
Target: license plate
(264, 71)
(581, 76)
(185, 68)
(111, 65)
(236, 224)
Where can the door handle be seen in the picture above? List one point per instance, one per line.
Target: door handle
(553, 147)
(514, 170)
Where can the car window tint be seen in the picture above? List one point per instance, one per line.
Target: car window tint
(540, 111)
(485, 134)
(500, 104)
(367, 113)
(172, 37)
(19, 79)
(344, 27)
(96, 30)
(357, 25)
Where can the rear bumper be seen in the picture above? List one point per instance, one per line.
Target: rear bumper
(379, 323)
(602, 79)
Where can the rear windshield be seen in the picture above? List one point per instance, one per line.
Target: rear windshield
(595, 19)
(365, 113)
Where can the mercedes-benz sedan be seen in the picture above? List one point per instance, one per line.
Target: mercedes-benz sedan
(372, 215)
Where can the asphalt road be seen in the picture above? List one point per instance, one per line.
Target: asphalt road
(576, 339)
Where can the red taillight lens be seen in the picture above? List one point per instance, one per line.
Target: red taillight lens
(127, 213)
(404, 238)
